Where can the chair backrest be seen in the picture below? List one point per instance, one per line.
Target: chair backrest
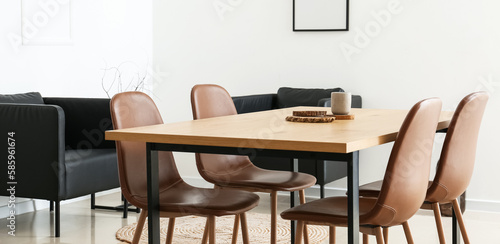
(209, 101)
(133, 109)
(458, 155)
(407, 173)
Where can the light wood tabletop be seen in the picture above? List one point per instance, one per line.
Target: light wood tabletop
(269, 130)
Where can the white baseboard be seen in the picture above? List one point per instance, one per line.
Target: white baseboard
(483, 205)
(26, 205)
(22, 206)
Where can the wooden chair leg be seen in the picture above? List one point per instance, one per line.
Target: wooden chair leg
(439, 222)
(236, 228)
(204, 240)
(302, 196)
(365, 238)
(460, 219)
(306, 234)
(139, 227)
(378, 235)
(299, 231)
(170, 231)
(274, 215)
(332, 234)
(209, 233)
(406, 228)
(386, 234)
(244, 228)
(211, 229)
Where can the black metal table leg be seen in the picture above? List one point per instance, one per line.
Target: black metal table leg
(122, 208)
(294, 168)
(455, 231)
(92, 201)
(153, 195)
(352, 160)
(292, 223)
(353, 197)
(125, 208)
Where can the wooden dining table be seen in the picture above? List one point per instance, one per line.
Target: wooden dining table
(267, 133)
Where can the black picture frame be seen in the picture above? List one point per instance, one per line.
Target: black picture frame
(300, 18)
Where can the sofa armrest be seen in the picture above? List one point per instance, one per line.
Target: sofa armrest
(356, 102)
(38, 151)
(255, 103)
(86, 121)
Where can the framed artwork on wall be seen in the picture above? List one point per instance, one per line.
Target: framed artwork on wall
(320, 15)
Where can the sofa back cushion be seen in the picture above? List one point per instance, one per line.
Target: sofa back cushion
(27, 98)
(255, 103)
(290, 97)
(86, 121)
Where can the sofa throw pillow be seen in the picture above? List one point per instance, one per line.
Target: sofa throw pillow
(290, 97)
(29, 98)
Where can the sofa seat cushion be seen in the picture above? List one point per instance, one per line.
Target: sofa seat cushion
(27, 98)
(291, 97)
(90, 171)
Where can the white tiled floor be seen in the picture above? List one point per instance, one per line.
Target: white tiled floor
(80, 224)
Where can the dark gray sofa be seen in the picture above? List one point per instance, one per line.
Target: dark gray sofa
(60, 150)
(324, 171)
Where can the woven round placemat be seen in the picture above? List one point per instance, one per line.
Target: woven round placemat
(190, 230)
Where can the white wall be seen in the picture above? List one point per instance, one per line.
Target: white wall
(104, 33)
(412, 50)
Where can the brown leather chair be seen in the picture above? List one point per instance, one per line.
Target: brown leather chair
(231, 171)
(403, 189)
(455, 166)
(132, 109)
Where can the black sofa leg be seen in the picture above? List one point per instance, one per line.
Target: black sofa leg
(51, 206)
(322, 191)
(92, 201)
(58, 219)
(123, 207)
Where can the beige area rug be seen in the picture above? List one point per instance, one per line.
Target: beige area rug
(190, 230)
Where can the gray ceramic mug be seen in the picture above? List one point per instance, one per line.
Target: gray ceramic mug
(341, 102)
